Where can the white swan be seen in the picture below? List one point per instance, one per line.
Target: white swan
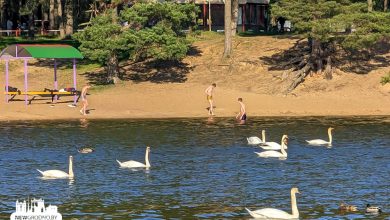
(320, 141)
(256, 140)
(263, 144)
(58, 174)
(270, 213)
(272, 145)
(135, 164)
(272, 153)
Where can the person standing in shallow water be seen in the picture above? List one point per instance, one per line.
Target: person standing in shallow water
(84, 100)
(209, 92)
(241, 116)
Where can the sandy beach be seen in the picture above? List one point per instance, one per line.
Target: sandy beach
(148, 100)
(247, 76)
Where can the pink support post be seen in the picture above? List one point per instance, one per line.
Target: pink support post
(55, 79)
(6, 80)
(74, 81)
(25, 82)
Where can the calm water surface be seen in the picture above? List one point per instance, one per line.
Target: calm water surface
(199, 170)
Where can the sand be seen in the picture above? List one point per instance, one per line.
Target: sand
(248, 77)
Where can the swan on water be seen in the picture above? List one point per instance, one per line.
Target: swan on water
(135, 164)
(270, 213)
(273, 145)
(58, 174)
(272, 153)
(373, 209)
(263, 144)
(320, 141)
(256, 140)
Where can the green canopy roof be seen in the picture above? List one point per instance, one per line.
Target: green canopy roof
(53, 51)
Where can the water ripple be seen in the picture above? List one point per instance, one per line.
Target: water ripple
(199, 170)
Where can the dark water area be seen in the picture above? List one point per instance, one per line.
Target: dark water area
(199, 170)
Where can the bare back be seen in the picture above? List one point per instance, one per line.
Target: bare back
(209, 90)
(242, 108)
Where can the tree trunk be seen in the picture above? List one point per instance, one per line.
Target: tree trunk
(19, 15)
(52, 23)
(45, 14)
(385, 5)
(191, 28)
(69, 17)
(316, 55)
(31, 25)
(234, 16)
(2, 14)
(115, 14)
(299, 77)
(328, 69)
(112, 69)
(369, 3)
(228, 29)
(60, 19)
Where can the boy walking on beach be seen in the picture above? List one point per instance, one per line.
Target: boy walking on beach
(241, 116)
(84, 100)
(209, 92)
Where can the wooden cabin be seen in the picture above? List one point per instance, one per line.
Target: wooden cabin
(252, 15)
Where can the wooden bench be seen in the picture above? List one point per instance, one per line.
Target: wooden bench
(45, 93)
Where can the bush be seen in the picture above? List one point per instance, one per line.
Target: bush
(385, 79)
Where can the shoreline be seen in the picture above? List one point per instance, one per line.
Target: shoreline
(179, 101)
(190, 118)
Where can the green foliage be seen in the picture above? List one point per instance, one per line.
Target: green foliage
(345, 22)
(160, 42)
(367, 28)
(178, 16)
(152, 31)
(156, 30)
(28, 7)
(385, 79)
(102, 39)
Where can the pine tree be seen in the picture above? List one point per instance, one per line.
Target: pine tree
(234, 16)
(52, 23)
(150, 31)
(69, 10)
(60, 18)
(228, 29)
(2, 13)
(330, 25)
(370, 5)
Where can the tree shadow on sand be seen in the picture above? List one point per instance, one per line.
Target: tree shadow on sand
(155, 71)
(147, 71)
(359, 62)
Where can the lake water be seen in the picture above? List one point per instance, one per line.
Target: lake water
(199, 170)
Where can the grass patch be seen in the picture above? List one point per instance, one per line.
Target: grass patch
(86, 67)
(100, 88)
(207, 35)
(385, 79)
